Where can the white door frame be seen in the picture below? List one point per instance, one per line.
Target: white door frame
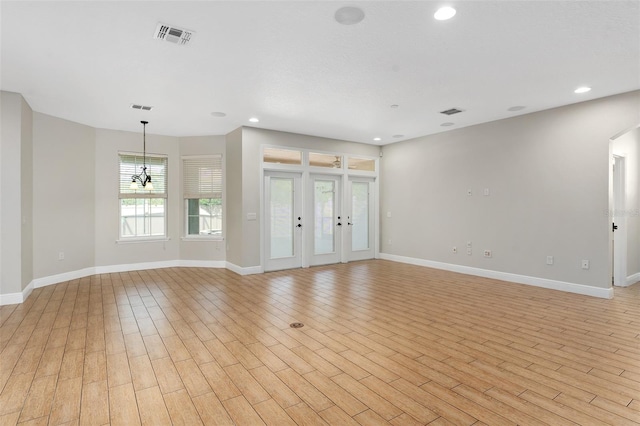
(618, 217)
(295, 261)
(304, 170)
(372, 252)
(311, 258)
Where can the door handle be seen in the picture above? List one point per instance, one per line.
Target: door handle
(614, 227)
(299, 225)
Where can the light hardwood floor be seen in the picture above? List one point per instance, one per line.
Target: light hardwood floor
(382, 343)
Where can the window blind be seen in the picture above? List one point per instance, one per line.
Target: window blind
(131, 164)
(202, 177)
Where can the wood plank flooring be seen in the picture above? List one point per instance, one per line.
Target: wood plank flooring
(382, 343)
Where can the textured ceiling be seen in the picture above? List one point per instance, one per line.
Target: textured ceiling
(295, 68)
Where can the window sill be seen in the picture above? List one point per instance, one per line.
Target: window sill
(142, 240)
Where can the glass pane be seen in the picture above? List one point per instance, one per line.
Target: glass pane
(325, 160)
(365, 164)
(323, 211)
(193, 217)
(360, 216)
(142, 217)
(281, 209)
(282, 156)
(204, 216)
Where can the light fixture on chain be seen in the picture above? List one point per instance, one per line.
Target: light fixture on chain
(143, 177)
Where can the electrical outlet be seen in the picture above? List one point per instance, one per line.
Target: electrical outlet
(469, 252)
(455, 250)
(487, 192)
(549, 260)
(487, 253)
(61, 255)
(585, 264)
(468, 244)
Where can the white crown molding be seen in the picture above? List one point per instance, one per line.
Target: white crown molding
(604, 293)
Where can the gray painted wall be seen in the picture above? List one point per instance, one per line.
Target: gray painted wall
(26, 192)
(203, 249)
(16, 193)
(548, 177)
(234, 220)
(63, 195)
(628, 145)
(108, 250)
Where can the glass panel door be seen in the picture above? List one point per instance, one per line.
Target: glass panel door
(325, 212)
(283, 221)
(360, 220)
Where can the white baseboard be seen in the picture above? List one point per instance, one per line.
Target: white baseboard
(633, 279)
(203, 264)
(60, 278)
(244, 271)
(13, 298)
(16, 298)
(605, 293)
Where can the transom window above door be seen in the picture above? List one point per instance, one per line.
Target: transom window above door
(282, 156)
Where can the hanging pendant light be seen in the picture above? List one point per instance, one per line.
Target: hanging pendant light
(143, 177)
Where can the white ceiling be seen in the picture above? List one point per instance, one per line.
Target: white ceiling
(290, 64)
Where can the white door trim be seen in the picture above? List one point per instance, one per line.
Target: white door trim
(618, 216)
(296, 260)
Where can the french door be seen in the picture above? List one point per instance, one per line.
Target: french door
(283, 220)
(324, 208)
(360, 219)
(317, 226)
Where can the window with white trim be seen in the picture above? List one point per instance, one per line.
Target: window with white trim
(202, 192)
(143, 212)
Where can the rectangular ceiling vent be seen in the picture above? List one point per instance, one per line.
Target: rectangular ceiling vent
(172, 34)
(451, 111)
(142, 107)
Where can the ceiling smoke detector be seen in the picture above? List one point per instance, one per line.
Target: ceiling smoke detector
(172, 34)
(451, 111)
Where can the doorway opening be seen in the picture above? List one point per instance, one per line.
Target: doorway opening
(624, 207)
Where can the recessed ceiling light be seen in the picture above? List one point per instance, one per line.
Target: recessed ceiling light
(516, 108)
(447, 124)
(583, 89)
(349, 15)
(444, 13)
(398, 136)
(254, 120)
(377, 139)
(218, 114)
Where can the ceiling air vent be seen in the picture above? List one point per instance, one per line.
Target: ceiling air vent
(451, 111)
(172, 34)
(142, 107)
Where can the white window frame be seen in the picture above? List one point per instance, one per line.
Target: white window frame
(125, 193)
(192, 193)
